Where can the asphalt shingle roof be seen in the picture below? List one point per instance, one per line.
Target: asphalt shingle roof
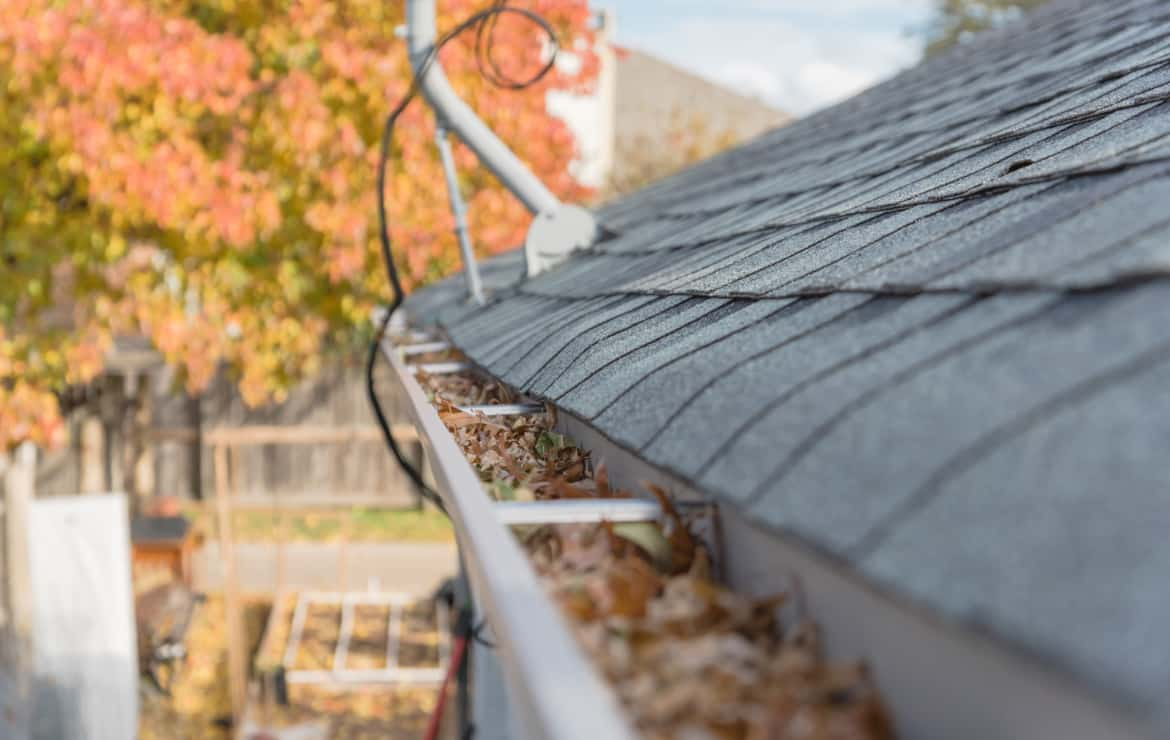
(926, 331)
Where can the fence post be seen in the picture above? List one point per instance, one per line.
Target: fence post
(237, 651)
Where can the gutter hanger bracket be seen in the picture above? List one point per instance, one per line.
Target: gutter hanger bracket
(557, 229)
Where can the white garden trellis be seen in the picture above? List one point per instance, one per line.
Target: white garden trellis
(337, 673)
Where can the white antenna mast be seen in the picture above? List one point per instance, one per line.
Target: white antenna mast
(557, 228)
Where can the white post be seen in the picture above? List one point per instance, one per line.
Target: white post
(14, 676)
(20, 483)
(607, 83)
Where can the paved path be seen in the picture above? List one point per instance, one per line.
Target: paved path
(408, 567)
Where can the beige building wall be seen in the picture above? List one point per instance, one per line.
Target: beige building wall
(643, 103)
(654, 95)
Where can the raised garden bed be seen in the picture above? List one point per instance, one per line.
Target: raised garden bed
(357, 697)
(355, 639)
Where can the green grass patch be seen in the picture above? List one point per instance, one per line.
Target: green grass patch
(329, 525)
(401, 524)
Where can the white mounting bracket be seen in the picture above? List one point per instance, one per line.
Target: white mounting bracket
(552, 237)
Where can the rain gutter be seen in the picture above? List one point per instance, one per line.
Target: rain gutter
(553, 690)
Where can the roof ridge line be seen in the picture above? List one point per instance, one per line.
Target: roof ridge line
(1101, 167)
(1072, 119)
(1119, 282)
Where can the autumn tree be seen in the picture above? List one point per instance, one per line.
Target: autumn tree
(201, 172)
(955, 21)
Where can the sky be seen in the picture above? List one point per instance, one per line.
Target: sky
(798, 55)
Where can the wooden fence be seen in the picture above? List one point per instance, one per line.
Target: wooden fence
(174, 459)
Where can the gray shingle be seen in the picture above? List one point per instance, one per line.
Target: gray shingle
(502, 354)
(1137, 211)
(1072, 565)
(586, 339)
(861, 268)
(946, 407)
(637, 335)
(607, 384)
(1147, 253)
(728, 388)
(645, 409)
(520, 370)
(892, 335)
(1020, 220)
(716, 278)
(784, 270)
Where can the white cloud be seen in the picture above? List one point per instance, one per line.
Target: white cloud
(842, 8)
(798, 55)
(829, 80)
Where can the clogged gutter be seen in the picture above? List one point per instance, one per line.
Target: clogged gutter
(688, 657)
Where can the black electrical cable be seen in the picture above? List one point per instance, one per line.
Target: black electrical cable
(484, 21)
(477, 635)
(486, 61)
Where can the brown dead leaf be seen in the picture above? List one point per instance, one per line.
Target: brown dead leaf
(578, 604)
(677, 532)
(507, 460)
(601, 478)
(561, 488)
(701, 564)
(573, 470)
(582, 548)
(625, 589)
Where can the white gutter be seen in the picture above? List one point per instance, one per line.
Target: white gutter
(554, 692)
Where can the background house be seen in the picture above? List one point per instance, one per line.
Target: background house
(647, 117)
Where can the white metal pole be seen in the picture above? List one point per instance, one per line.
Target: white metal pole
(461, 119)
(459, 211)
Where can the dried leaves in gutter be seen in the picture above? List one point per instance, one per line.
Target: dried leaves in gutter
(443, 355)
(688, 657)
(464, 389)
(516, 456)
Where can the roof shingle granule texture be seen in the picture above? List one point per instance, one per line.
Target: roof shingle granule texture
(926, 331)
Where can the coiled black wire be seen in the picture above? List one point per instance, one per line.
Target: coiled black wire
(484, 22)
